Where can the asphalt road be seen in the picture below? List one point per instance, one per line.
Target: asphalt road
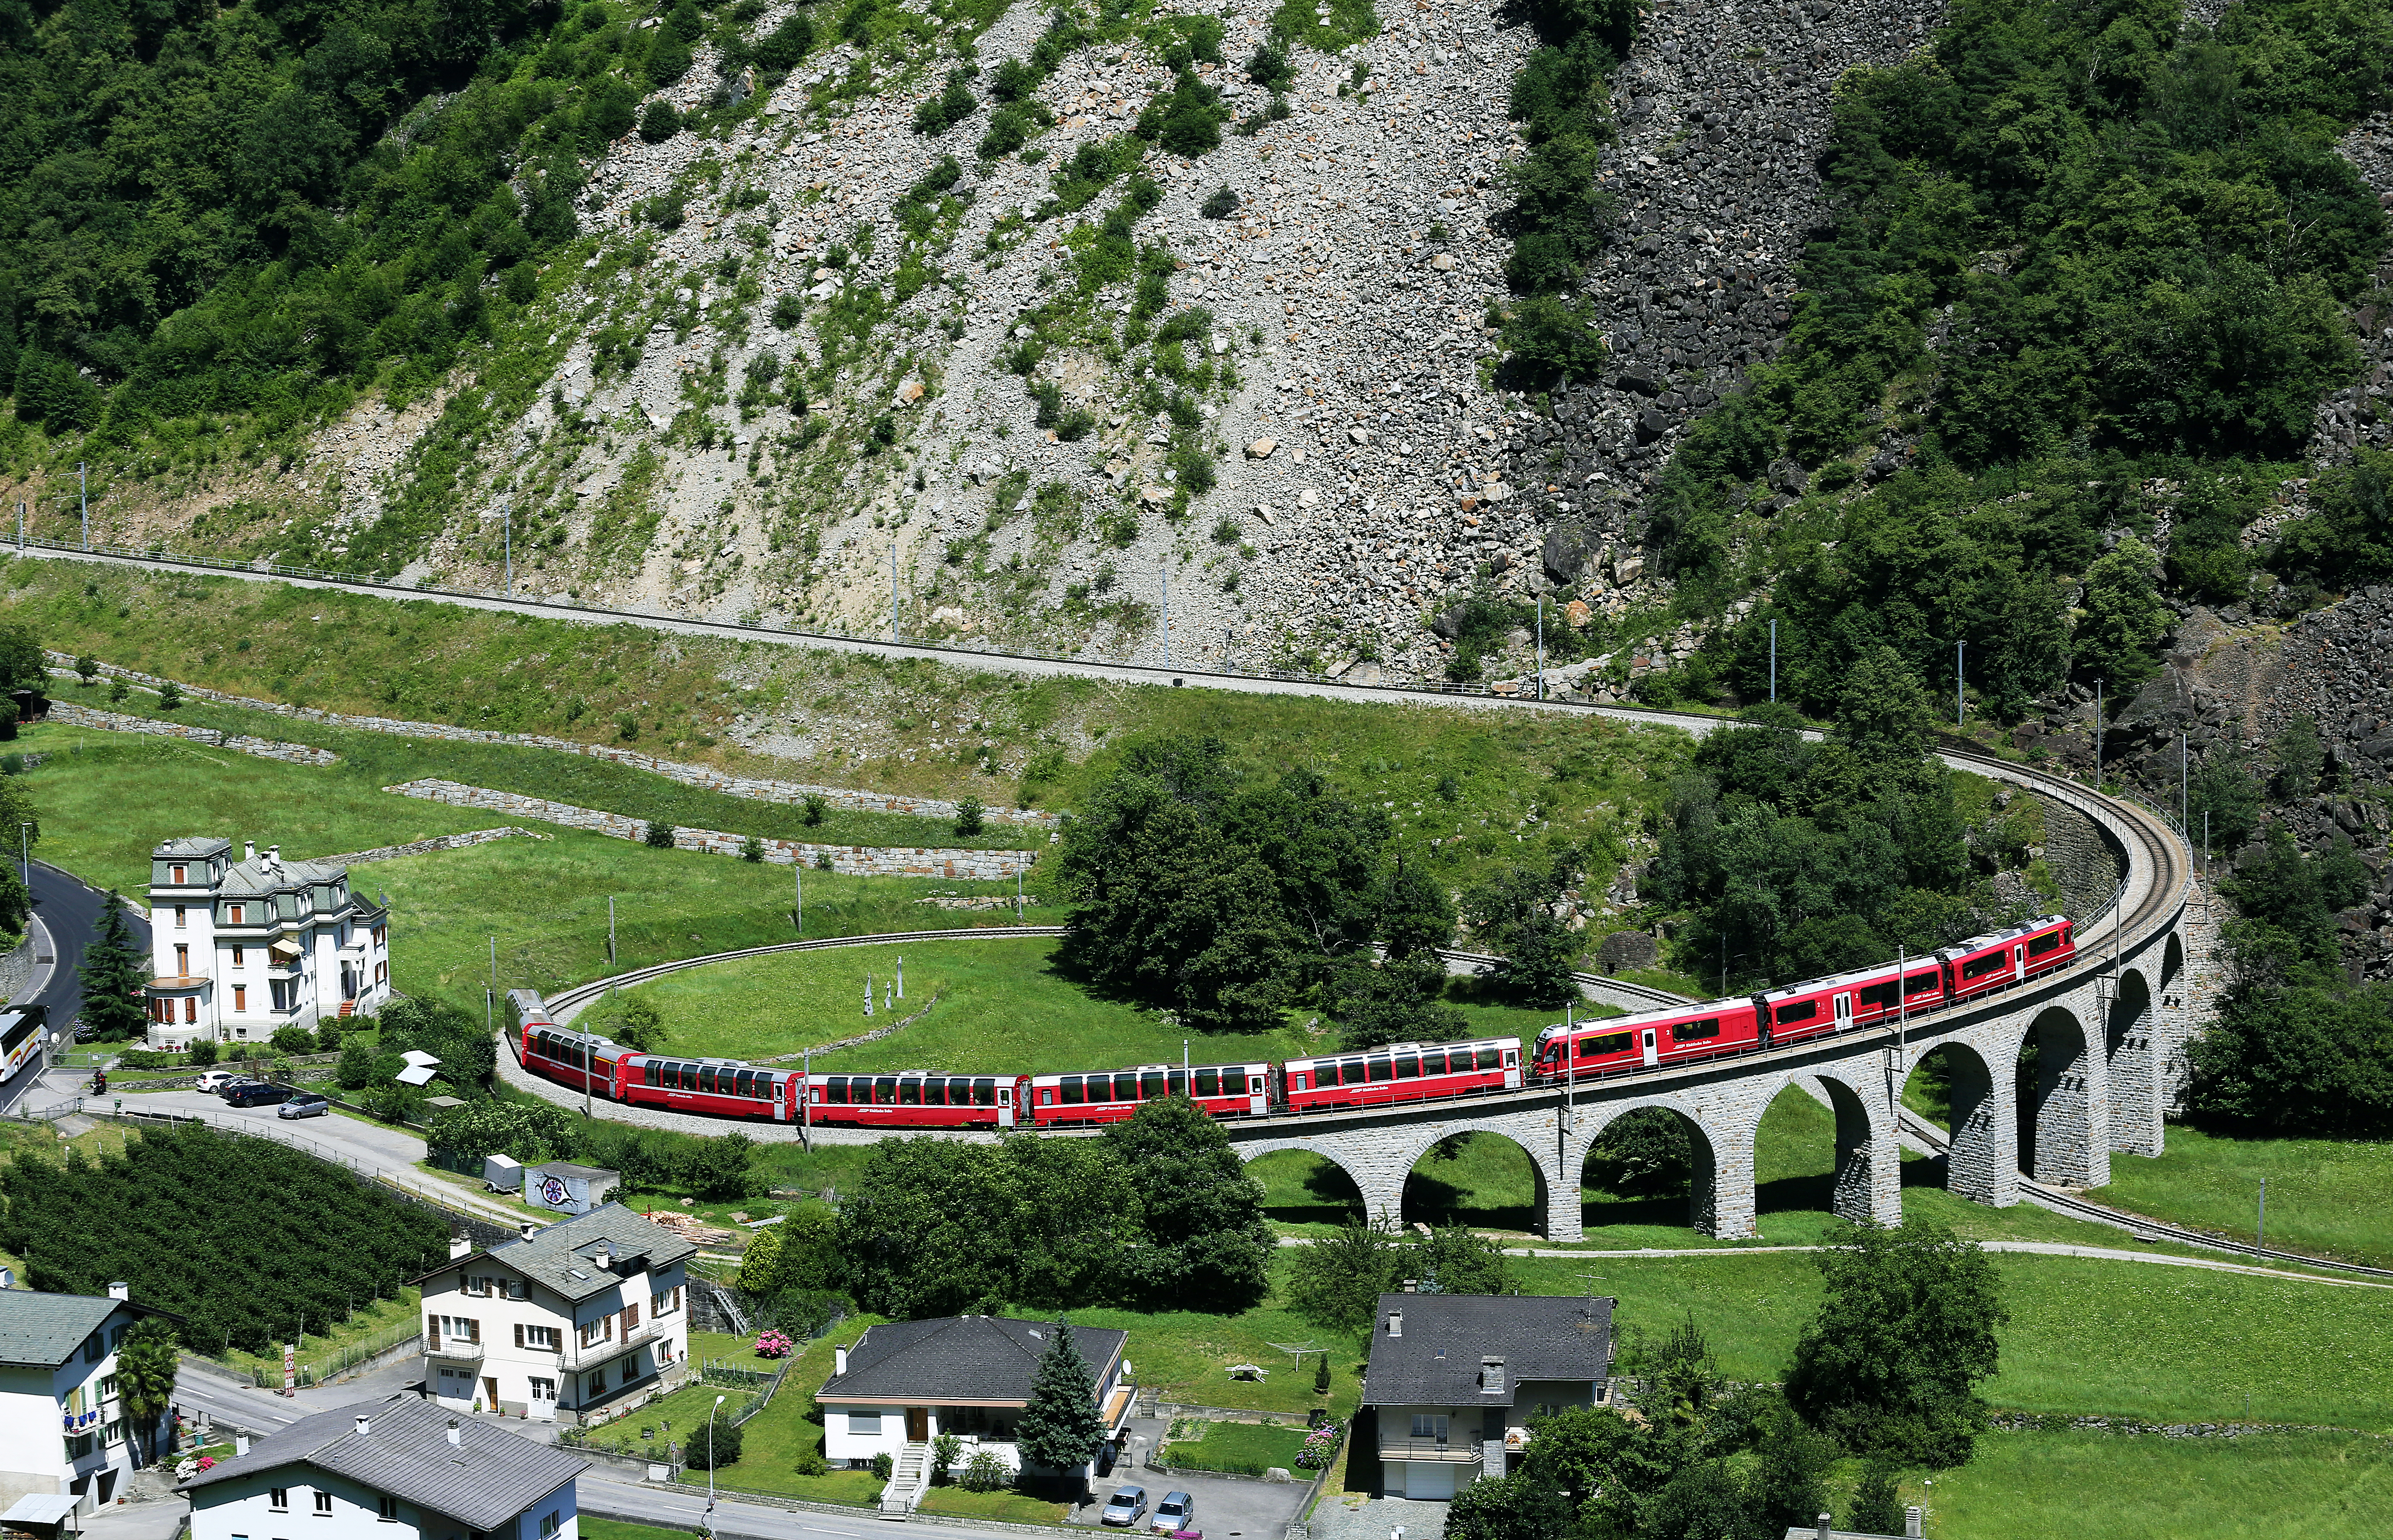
(67, 912)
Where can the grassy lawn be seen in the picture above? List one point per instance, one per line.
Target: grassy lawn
(2326, 1197)
(988, 1006)
(1005, 1507)
(373, 1321)
(1243, 1447)
(2104, 1486)
(777, 1437)
(594, 1528)
(1185, 1357)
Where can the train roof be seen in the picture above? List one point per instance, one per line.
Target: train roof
(1157, 1069)
(1835, 981)
(1992, 938)
(1409, 1048)
(1642, 1018)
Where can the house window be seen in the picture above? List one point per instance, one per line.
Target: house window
(182, 917)
(176, 874)
(93, 1347)
(598, 1383)
(190, 1010)
(240, 914)
(323, 1505)
(594, 1331)
(280, 989)
(479, 1287)
(108, 1389)
(1429, 1424)
(386, 1507)
(239, 956)
(113, 1432)
(544, 1389)
(630, 1319)
(183, 962)
(547, 1525)
(864, 1425)
(542, 1338)
(279, 1498)
(240, 998)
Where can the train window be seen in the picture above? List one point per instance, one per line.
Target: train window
(1209, 1082)
(1070, 1088)
(1920, 983)
(984, 1092)
(689, 1077)
(1177, 1082)
(1101, 1088)
(1978, 967)
(1688, 1032)
(1879, 995)
(1379, 1069)
(1802, 1011)
(1488, 1058)
(651, 1072)
(706, 1078)
(835, 1090)
(1150, 1088)
(1005, 1096)
(885, 1091)
(1351, 1073)
(746, 1081)
(934, 1093)
(1125, 1088)
(910, 1093)
(1433, 1061)
(1407, 1066)
(2044, 944)
(1610, 1043)
(1047, 1096)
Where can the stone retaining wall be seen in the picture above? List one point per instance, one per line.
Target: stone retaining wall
(445, 841)
(853, 860)
(73, 715)
(700, 775)
(2082, 861)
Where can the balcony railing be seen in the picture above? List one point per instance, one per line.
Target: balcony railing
(1461, 1451)
(576, 1356)
(456, 1351)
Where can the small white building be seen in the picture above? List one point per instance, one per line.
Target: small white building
(906, 1382)
(1454, 1381)
(63, 1432)
(241, 948)
(586, 1317)
(396, 1469)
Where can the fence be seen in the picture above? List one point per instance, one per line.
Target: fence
(353, 1356)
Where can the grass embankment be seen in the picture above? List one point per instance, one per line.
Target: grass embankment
(1242, 1448)
(2106, 1486)
(545, 900)
(1473, 779)
(2326, 1197)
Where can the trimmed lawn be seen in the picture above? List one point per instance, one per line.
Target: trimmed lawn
(2327, 1197)
(986, 1006)
(1246, 1447)
(372, 1320)
(1185, 1356)
(775, 1438)
(2104, 1486)
(1005, 1507)
(594, 1528)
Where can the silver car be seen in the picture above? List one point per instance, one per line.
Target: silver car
(306, 1105)
(1122, 1509)
(1176, 1512)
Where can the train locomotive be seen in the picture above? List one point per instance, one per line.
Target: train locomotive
(605, 1070)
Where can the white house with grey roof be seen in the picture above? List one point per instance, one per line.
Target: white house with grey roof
(64, 1435)
(904, 1383)
(241, 948)
(396, 1469)
(1455, 1380)
(578, 1321)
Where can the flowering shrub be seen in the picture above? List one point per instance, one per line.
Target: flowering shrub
(775, 1344)
(207, 1462)
(1320, 1448)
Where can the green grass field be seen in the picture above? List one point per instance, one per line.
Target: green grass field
(2104, 1486)
(2326, 1197)
(594, 1528)
(1246, 1447)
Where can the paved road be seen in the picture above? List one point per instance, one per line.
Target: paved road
(66, 917)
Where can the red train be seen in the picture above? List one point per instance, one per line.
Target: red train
(1402, 1072)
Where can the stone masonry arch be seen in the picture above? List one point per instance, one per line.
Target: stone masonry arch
(1374, 1203)
(1719, 1182)
(1419, 1147)
(2136, 1052)
(2072, 1102)
(1868, 1183)
(1981, 1164)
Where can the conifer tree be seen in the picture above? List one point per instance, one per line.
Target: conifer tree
(113, 972)
(1062, 1425)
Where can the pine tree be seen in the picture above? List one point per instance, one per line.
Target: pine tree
(1062, 1425)
(113, 972)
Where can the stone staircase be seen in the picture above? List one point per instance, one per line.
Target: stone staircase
(908, 1481)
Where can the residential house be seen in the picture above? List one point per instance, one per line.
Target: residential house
(584, 1318)
(1825, 1530)
(1454, 1379)
(241, 948)
(396, 1469)
(906, 1382)
(64, 1430)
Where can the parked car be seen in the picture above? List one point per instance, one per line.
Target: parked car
(258, 1093)
(1122, 1509)
(216, 1080)
(1176, 1512)
(306, 1103)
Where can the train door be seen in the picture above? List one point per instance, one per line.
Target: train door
(1258, 1093)
(1005, 1106)
(1511, 1069)
(2019, 963)
(783, 1086)
(1651, 1056)
(1844, 1011)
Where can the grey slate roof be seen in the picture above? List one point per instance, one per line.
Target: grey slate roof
(43, 1330)
(198, 847)
(559, 1256)
(257, 879)
(960, 1358)
(485, 1478)
(1439, 1359)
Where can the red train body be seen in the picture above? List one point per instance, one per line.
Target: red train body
(1405, 1072)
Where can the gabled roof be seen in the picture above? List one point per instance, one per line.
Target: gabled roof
(960, 1358)
(44, 1330)
(257, 880)
(1440, 1357)
(482, 1481)
(562, 1258)
(194, 848)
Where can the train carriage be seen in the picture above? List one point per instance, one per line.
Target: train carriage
(725, 1088)
(1985, 963)
(1111, 1096)
(583, 1061)
(916, 1098)
(1401, 1072)
(1614, 1043)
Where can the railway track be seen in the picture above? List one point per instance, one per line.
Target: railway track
(2061, 1201)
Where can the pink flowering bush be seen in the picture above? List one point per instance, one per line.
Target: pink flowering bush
(207, 1462)
(1320, 1448)
(775, 1344)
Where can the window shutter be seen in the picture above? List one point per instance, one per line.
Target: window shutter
(432, 1331)
(519, 1341)
(473, 1331)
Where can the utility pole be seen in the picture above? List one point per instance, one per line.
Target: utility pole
(1167, 610)
(25, 857)
(1541, 646)
(806, 1101)
(798, 883)
(1773, 660)
(2184, 784)
(2260, 1226)
(83, 495)
(892, 586)
(20, 524)
(1960, 701)
(2098, 735)
(610, 930)
(507, 518)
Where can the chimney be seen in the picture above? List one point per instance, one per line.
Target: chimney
(838, 1361)
(365, 1425)
(274, 857)
(249, 849)
(1412, 1285)
(460, 1246)
(1491, 1376)
(454, 1441)
(1827, 1526)
(120, 1291)
(1910, 1522)
(240, 1444)
(604, 1255)
(529, 1229)
(1395, 1322)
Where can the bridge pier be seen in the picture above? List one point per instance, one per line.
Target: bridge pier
(2138, 1048)
(1720, 1202)
(2072, 1104)
(1981, 1164)
(1868, 1183)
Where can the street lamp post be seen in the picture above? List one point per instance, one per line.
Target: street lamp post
(709, 1463)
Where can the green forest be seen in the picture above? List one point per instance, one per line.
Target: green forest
(2087, 268)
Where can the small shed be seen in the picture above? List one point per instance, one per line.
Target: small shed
(567, 1188)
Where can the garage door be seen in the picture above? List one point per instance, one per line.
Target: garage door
(1423, 1479)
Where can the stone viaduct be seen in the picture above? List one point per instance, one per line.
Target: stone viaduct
(2105, 1031)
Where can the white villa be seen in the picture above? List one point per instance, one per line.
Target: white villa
(66, 1446)
(906, 1382)
(241, 948)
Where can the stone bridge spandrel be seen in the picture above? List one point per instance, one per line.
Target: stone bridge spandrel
(2099, 1081)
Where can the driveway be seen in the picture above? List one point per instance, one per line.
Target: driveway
(1226, 1508)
